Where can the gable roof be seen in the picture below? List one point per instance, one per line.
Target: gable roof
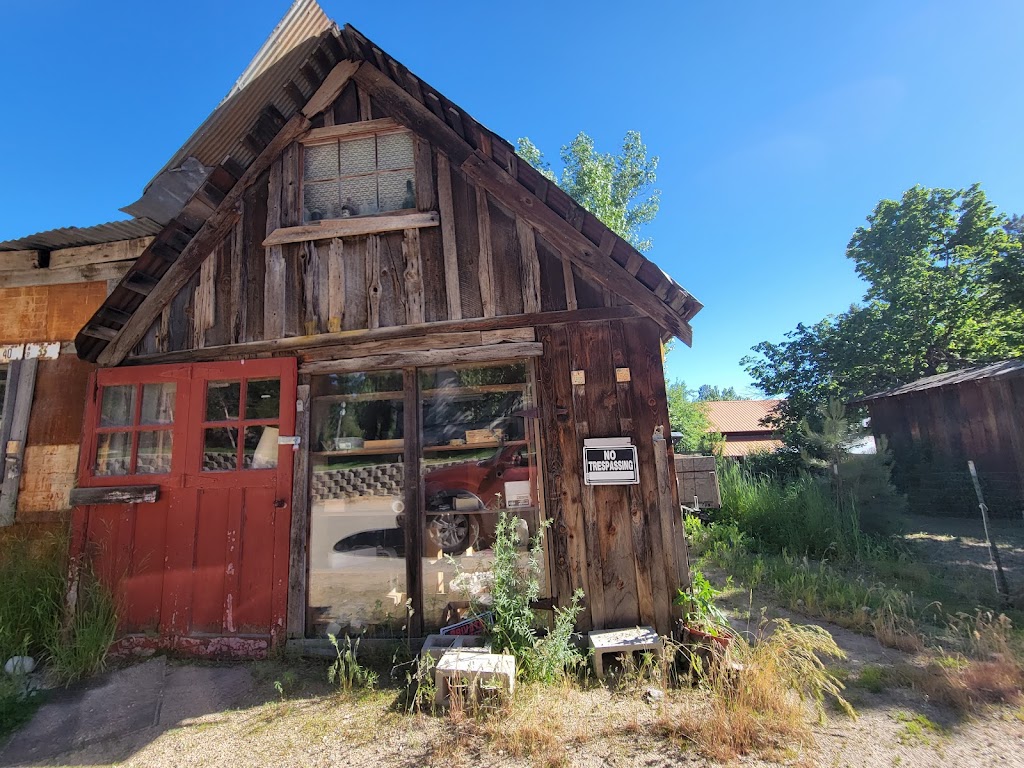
(740, 415)
(266, 109)
(951, 378)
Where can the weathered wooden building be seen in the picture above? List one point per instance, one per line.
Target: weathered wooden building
(50, 284)
(937, 424)
(363, 329)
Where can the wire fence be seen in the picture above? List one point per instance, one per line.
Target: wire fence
(949, 491)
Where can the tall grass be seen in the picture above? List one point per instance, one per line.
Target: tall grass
(33, 620)
(804, 517)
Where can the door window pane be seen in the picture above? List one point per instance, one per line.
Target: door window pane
(262, 399)
(158, 403)
(222, 400)
(220, 449)
(113, 453)
(154, 456)
(260, 447)
(118, 406)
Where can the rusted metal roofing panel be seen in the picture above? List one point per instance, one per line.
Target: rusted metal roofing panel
(277, 62)
(740, 415)
(71, 237)
(951, 378)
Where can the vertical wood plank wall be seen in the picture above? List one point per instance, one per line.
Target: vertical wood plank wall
(617, 543)
(482, 261)
(621, 545)
(934, 432)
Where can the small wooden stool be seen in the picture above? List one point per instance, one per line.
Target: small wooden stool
(604, 641)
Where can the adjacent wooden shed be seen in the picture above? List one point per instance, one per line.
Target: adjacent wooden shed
(936, 424)
(368, 330)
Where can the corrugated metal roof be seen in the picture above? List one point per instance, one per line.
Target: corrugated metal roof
(951, 378)
(740, 415)
(70, 237)
(737, 448)
(262, 83)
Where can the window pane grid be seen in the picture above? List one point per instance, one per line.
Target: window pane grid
(122, 427)
(373, 174)
(237, 442)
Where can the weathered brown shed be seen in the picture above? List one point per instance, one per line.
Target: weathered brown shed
(936, 424)
(365, 329)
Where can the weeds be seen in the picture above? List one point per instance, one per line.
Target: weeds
(346, 671)
(32, 613)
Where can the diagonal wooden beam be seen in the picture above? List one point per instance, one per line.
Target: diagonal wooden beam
(397, 102)
(331, 88)
(198, 248)
(574, 244)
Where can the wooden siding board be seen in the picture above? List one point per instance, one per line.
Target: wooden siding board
(607, 519)
(588, 295)
(506, 264)
(435, 300)
(58, 404)
(643, 354)
(467, 237)
(552, 289)
(563, 473)
(253, 266)
(355, 284)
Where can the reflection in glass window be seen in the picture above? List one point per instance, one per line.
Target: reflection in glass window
(118, 406)
(113, 454)
(357, 540)
(222, 400)
(220, 449)
(262, 399)
(158, 403)
(478, 459)
(154, 456)
(260, 449)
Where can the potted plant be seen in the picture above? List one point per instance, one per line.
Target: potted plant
(703, 624)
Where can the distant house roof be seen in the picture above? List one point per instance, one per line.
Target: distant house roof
(950, 378)
(739, 421)
(740, 415)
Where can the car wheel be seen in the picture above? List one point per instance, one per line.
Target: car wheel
(453, 532)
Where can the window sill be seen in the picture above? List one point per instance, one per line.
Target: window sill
(357, 225)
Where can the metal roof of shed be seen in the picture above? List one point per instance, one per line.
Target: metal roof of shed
(951, 378)
(71, 237)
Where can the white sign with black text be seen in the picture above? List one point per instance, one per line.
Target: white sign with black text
(613, 463)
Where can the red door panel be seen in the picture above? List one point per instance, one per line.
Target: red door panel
(210, 557)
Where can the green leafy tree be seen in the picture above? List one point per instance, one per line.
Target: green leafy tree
(688, 416)
(940, 296)
(707, 393)
(617, 188)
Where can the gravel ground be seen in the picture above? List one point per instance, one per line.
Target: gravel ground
(310, 726)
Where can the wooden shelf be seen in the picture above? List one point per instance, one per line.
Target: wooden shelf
(426, 449)
(465, 447)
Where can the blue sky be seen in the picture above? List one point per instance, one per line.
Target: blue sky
(779, 125)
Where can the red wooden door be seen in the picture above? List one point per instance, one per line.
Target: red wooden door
(210, 558)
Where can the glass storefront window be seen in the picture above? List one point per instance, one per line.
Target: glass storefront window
(478, 460)
(357, 539)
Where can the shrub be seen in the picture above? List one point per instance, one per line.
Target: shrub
(515, 586)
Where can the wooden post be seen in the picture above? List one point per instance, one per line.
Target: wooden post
(297, 559)
(14, 457)
(415, 509)
(1001, 586)
(671, 524)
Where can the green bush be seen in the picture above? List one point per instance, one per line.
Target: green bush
(516, 585)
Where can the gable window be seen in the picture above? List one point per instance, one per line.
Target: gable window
(360, 176)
